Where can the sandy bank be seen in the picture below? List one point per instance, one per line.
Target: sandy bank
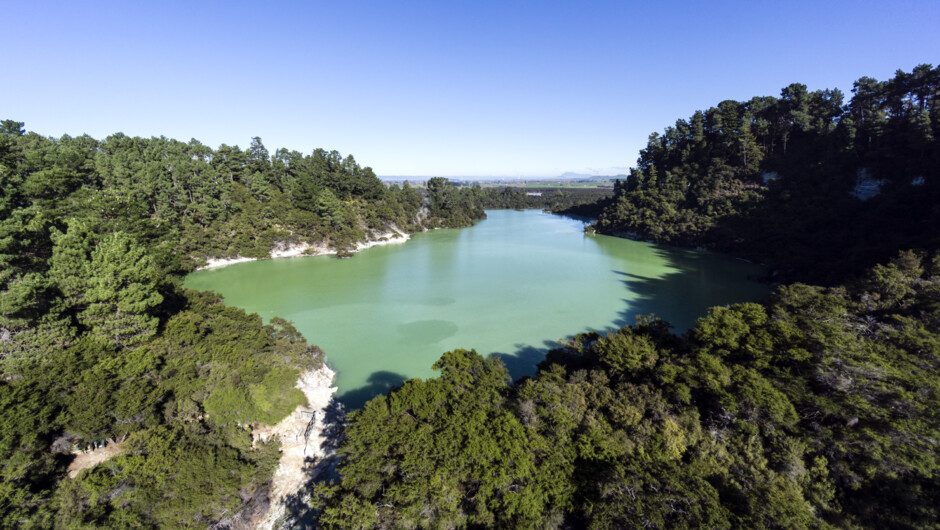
(306, 249)
(89, 459)
(303, 442)
(214, 263)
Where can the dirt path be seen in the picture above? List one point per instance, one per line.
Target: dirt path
(90, 459)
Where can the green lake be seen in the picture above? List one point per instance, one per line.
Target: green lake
(511, 285)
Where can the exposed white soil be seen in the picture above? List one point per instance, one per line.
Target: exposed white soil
(289, 251)
(390, 238)
(304, 450)
(214, 263)
(283, 250)
(301, 435)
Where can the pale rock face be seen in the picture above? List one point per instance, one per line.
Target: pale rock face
(215, 263)
(302, 439)
(282, 250)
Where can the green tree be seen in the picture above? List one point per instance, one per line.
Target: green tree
(122, 292)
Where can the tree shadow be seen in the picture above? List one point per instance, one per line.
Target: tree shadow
(568, 214)
(522, 362)
(693, 283)
(378, 383)
(692, 286)
(811, 228)
(333, 431)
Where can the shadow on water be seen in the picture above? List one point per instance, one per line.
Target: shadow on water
(583, 219)
(689, 282)
(680, 297)
(521, 363)
(685, 293)
(647, 297)
(378, 383)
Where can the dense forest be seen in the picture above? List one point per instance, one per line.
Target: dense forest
(99, 342)
(816, 409)
(812, 186)
(570, 200)
(186, 202)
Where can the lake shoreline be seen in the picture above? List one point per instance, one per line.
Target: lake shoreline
(511, 285)
(303, 250)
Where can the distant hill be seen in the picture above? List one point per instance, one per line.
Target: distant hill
(599, 173)
(568, 175)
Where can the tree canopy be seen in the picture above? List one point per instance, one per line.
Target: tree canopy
(98, 340)
(814, 186)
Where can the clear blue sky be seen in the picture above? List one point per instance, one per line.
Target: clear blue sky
(438, 88)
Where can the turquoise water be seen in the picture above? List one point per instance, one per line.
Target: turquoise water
(511, 285)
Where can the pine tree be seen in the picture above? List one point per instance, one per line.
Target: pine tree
(70, 256)
(122, 292)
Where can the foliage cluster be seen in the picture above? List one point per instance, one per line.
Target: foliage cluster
(182, 402)
(567, 201)
(818, 409)
(98, 342)
(186, 201)
(814, 187)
